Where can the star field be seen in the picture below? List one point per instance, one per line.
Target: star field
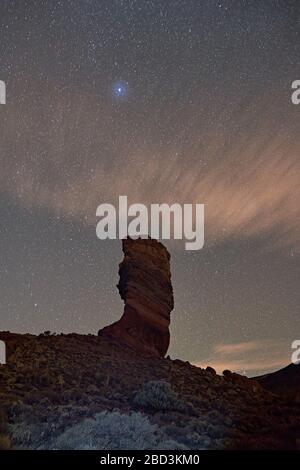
(163, 101)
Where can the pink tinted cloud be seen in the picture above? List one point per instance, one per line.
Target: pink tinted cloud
(250, 190)
(250, 358)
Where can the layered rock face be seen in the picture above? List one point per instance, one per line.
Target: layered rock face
(145, 286)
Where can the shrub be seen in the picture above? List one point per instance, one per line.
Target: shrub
(171, 445)
(108, 431)
(227, 373)
(158, 395)
(3, 422)
(30, 435)
(5, 443)
(101, 379)
(211, 370)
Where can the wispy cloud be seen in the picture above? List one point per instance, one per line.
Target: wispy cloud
(236, 348)
(250, 358)
(245, 168)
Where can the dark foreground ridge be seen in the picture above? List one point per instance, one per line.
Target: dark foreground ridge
(52, 384)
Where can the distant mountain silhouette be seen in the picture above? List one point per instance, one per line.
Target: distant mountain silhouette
(285, 381)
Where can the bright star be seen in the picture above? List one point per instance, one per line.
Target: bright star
(120, 90)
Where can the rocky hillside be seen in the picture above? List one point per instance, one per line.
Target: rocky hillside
(51, 384)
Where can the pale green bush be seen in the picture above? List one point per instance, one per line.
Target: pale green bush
(158, 395)
(108, 431)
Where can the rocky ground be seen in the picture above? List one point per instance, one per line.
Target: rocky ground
(51, 383)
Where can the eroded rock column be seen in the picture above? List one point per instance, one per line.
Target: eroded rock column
(145, 286)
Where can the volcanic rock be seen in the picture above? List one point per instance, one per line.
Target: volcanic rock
(145, 286)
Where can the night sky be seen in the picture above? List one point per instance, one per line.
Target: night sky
(164, 101)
